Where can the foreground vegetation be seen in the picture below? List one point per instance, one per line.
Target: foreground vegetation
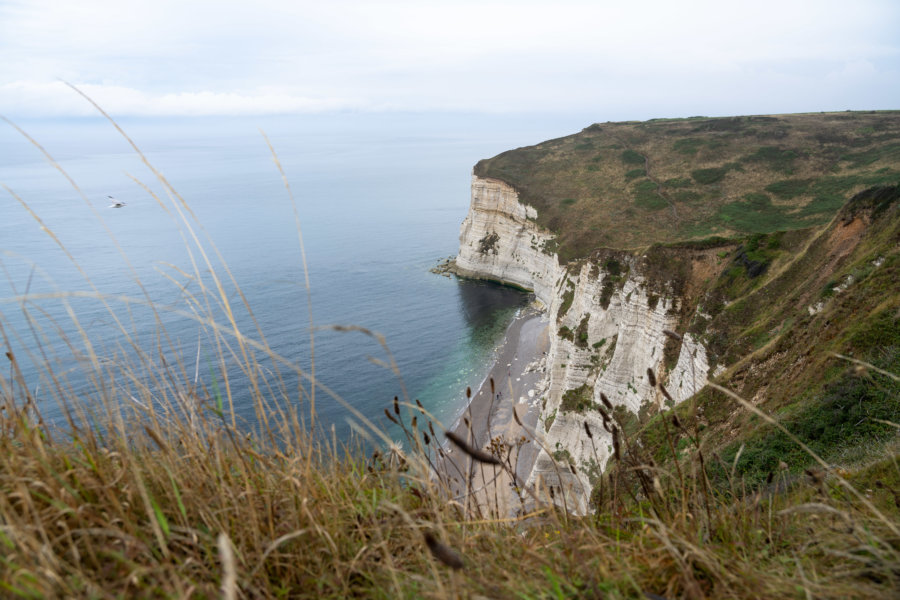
(151, 488)
(161, 508)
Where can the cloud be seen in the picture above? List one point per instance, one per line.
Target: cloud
(165, 57)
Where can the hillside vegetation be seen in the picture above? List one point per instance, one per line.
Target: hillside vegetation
(809, 324)
(631, 184)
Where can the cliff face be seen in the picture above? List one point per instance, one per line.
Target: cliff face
(607, 328)
(499, 240)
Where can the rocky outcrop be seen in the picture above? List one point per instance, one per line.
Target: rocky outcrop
(607, 328)
(499, 240)
(609, 331)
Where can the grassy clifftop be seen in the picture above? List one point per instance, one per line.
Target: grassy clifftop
(631, 184)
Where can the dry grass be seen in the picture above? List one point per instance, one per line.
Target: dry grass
(153, 489)
(181, 511)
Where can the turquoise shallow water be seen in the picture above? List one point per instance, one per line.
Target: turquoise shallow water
(379, 198)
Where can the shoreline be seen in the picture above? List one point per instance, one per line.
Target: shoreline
(519, 376)
(484, 384)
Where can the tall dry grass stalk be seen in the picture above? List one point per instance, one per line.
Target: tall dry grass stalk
(151, 487)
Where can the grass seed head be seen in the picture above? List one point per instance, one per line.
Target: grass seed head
(388, 414)
(516, 417)
(615, 437)
(665, 393)
(672, 334)
(443, 552)
(605, 401)
(475, 453)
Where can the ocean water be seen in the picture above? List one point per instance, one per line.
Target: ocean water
(379, 199)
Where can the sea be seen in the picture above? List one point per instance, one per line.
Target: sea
(376, 198)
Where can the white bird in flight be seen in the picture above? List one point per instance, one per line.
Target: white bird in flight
(115, 203)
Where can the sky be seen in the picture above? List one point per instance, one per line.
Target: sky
(617, 60)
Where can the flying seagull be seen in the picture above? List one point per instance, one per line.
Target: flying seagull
(115, 203)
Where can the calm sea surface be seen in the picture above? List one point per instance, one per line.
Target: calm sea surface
(379, 197)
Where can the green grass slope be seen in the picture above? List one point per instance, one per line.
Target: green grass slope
(809, 322)
(627, 185)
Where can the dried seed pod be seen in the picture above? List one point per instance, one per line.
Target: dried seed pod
(443, 552)
(605, 401)
(396, 405)
(615, 436)
(390, 416)
(665, 393)
(479, 455)
(651, 377)
(587, 430)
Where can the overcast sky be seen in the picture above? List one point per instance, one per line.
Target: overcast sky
(622, 59)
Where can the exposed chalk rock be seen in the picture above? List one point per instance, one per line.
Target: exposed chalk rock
(624, 337)
(606, 328)
(499, 240)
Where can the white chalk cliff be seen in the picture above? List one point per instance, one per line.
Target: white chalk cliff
(607, 323)
(499, 240)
